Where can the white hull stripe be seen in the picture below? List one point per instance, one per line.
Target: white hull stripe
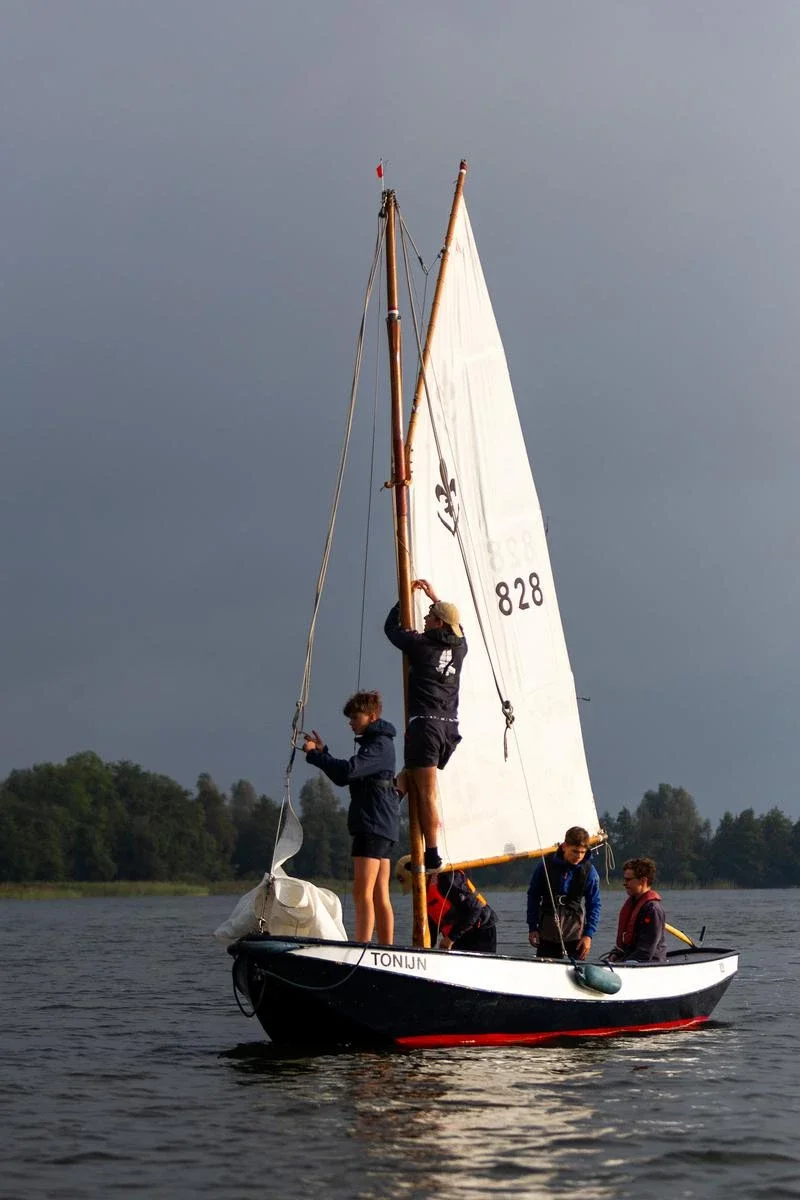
(527, 977)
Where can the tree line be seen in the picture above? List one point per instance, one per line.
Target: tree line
(88, 820)
(745, 850)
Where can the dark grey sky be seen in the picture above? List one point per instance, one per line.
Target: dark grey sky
(188, 211)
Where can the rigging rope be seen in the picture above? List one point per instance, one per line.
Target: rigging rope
(300, 706)
(378, 343)
(305, 987)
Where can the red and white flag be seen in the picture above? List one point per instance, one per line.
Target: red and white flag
(379, 170)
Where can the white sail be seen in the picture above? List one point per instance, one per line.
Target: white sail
(482, 485)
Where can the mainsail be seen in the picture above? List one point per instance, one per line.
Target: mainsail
(472, 489)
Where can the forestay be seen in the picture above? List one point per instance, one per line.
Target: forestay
(483, 488)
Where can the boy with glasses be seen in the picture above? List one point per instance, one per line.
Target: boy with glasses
(640, 932)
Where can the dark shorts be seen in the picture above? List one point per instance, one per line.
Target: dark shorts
(430, 742)
(370, 845)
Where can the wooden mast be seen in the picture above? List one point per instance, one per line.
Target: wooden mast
(399, 483)
(437, 297)
(401, 478)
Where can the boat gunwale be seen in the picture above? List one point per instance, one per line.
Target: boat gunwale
(678, 957)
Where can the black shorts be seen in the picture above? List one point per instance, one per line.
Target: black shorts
(370, 845)
(430, 742)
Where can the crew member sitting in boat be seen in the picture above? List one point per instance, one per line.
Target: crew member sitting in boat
(434, 658)
(373, 817)
(564, 899)
(640, 932)
(458, 915)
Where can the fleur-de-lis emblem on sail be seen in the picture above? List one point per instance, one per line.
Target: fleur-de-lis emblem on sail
(446, 499)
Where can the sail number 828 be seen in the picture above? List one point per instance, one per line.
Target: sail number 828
(526, 592)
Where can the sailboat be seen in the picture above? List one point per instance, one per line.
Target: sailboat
(467, 515)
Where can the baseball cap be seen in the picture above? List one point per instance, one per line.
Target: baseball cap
(449, 614)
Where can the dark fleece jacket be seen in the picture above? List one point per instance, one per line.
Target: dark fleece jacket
(369, 774)
(434, 667)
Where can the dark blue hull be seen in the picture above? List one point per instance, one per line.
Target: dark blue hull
(386, 996)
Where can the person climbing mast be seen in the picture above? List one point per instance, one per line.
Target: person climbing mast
(435, 658)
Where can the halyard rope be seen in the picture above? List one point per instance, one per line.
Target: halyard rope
(300, 706)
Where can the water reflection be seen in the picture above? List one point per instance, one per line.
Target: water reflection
(509, 1121)
(469, 1116)
(498, 1121)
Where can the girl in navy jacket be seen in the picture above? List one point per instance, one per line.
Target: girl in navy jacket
(373, 816)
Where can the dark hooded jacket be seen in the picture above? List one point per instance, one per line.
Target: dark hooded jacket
(369, 774)
(574, 885)
(434, 667)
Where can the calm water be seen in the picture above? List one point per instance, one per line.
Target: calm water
(127, 1069)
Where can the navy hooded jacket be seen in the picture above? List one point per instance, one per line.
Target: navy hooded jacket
(434, 667)
(562, 874)
(369, 774)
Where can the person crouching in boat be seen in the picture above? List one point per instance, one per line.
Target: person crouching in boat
(564, 895)
(458, 916)
(373, 816)
(434, 659)
(640, 932)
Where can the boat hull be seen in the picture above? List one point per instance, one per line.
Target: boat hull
(310, 992)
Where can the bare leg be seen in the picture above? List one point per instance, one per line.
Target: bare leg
(365, 871)
(384, 914)
(423, 781)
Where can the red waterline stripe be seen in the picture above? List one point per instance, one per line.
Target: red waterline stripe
(431, 1040)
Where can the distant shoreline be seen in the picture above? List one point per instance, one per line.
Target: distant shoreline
(77, 890)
